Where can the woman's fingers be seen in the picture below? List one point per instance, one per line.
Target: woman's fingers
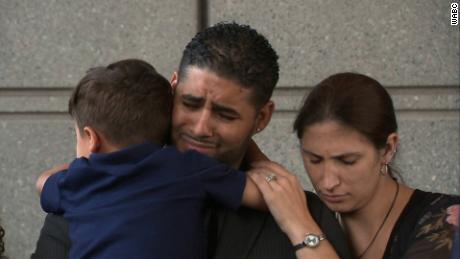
(272, 167)
(285, 187)
(260, 179)
(283, 176)
(284, 197)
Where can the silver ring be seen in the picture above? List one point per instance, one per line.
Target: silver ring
(270, 177)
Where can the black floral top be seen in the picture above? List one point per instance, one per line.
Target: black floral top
(426, 228)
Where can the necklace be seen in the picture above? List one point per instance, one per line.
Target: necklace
(383, 222)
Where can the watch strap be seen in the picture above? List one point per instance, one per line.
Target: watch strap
(305, 244)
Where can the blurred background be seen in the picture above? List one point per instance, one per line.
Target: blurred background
(46, 46)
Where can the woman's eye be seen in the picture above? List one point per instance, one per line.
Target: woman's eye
(315, 161)
(348, 162)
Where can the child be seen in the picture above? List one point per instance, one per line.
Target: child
(127, 196)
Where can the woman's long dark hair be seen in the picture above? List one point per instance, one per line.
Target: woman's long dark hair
(355, 100)
(2, 244)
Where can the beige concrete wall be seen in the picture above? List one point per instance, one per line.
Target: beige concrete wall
(47, 45)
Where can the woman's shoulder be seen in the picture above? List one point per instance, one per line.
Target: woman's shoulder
(436, 198)
(439, 217)
(427, 225)
(438, 207)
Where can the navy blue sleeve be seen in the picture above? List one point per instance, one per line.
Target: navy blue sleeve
(50, 197)
(221, 182)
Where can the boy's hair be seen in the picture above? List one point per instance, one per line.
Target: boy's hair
(128, 102)
(236, 52)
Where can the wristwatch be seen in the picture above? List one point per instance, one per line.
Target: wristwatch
(310, 241)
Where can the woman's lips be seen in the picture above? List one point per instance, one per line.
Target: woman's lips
(333, 198)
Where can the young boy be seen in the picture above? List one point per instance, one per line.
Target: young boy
(126, 195)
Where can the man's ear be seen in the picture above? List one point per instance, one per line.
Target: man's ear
(94, 139)
(264, 116)
(174, 80)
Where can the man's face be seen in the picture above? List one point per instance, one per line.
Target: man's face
(214, 116)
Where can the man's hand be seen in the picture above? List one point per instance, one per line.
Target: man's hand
(44, 176)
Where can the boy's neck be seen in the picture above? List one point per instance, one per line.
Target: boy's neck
(108, 148)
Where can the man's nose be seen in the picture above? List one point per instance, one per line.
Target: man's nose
(203, 127)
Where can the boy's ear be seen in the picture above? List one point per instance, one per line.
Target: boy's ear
(264, 116)
(94, 139)
(174, 79)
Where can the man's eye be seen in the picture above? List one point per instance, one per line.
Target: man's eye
(190, 105)
(226, 117)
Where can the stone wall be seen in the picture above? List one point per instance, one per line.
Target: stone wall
(46, 46)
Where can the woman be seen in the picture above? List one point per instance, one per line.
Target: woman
(2, 244)
(348, 138)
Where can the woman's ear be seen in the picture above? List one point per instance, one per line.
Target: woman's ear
(94, 139)
(390, 147)
(264, 116)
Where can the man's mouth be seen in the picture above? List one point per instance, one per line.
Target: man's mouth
(200, 145)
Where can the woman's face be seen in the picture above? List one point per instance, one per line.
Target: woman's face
(343, 165)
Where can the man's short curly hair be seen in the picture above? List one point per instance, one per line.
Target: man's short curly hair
(235, 52)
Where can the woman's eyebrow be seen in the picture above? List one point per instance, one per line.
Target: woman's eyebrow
(347, 155)
(308, 152)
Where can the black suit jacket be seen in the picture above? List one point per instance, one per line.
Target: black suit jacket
(244, 233)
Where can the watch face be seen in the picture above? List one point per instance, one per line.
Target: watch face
(311, 240)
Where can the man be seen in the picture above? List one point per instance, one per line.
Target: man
(222, 96)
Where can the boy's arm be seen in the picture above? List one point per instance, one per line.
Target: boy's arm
(46, 174)
(252, 197)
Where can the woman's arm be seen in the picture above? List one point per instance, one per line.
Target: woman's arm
(286, 201)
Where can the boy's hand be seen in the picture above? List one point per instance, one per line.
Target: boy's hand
(44, 176)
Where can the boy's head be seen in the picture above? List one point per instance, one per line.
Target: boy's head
(126, 103)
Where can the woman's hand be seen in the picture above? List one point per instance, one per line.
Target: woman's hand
(285, 199)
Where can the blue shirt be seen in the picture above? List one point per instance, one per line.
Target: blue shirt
(140, 202)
